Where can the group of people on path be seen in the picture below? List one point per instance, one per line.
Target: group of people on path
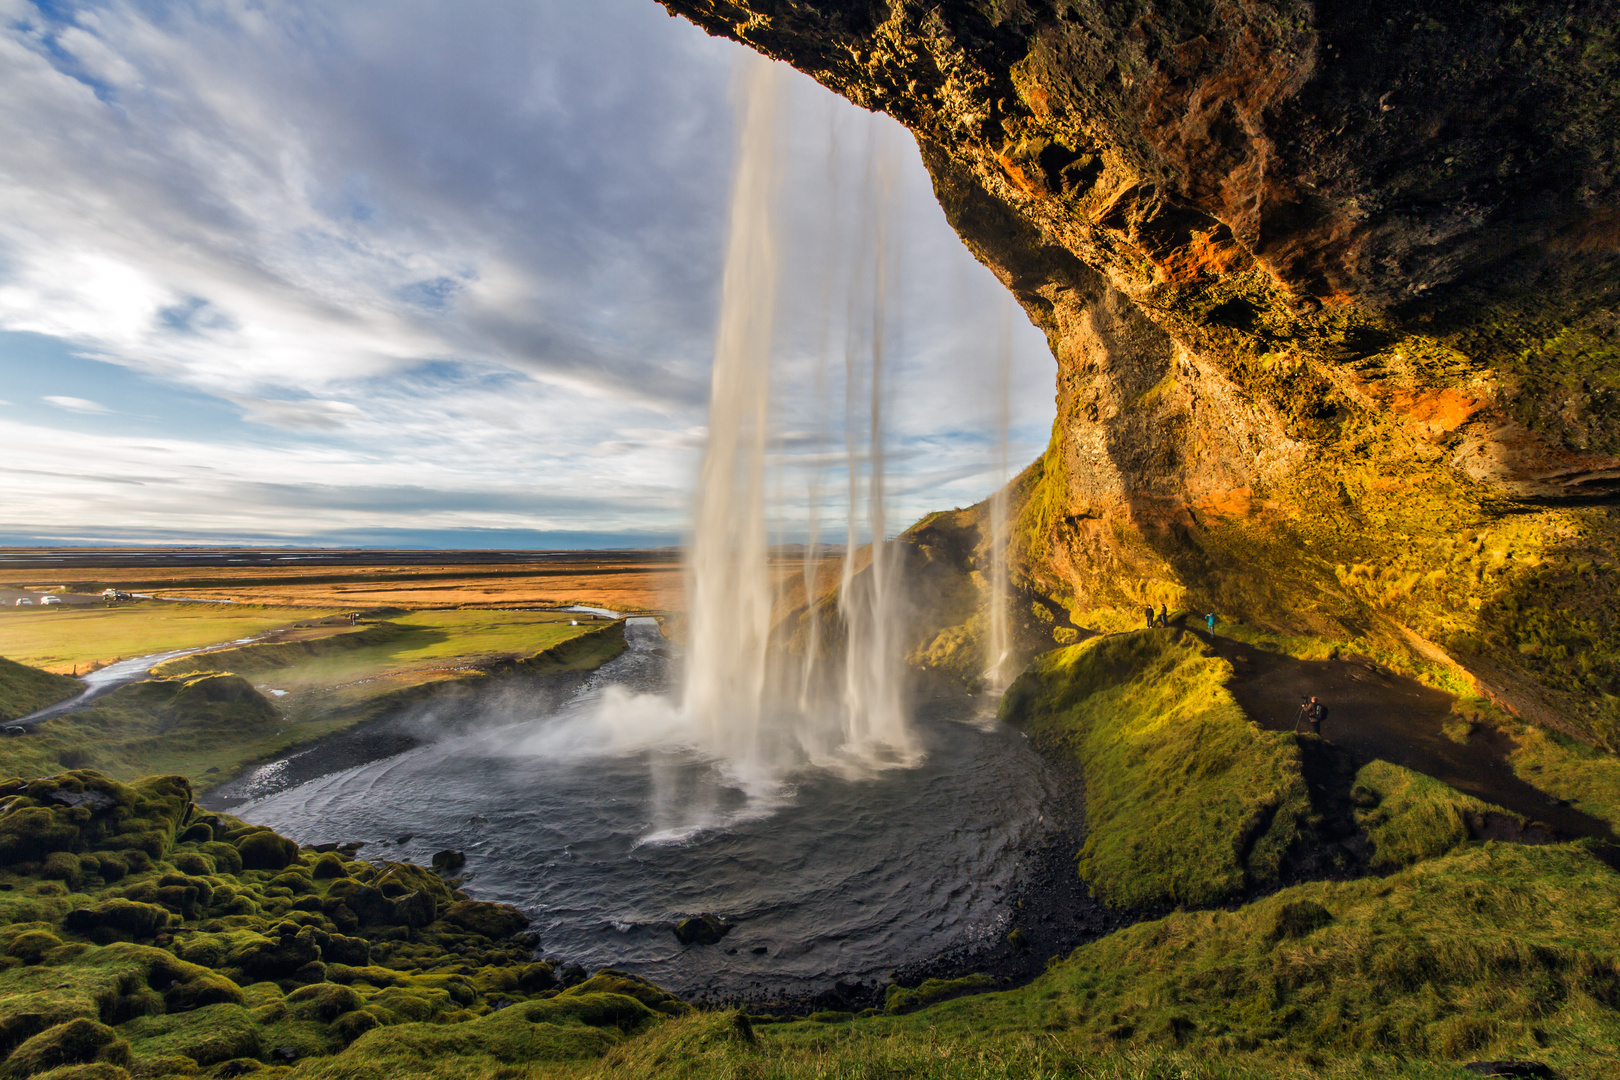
(1311, 712)
(1162, 618)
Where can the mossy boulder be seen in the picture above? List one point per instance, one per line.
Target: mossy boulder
(351, 952)
(193, 863)
(622, 983)
(537, 977)
(329, 865)
(30, 946)
(415, 910)
(364, 903)
(262, 849)
(323, 1001)
(76, 1042)
(701, 930)
(227, 859)
(118, 919)
(277, 957)
(494, 921)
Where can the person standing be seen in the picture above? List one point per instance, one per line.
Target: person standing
(1210, 620)
(1150, 616)
(1164, 615)
(1311, 712)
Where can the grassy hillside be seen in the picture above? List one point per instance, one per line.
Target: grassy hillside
(201, 720)
(25, 689)
(1187, 802)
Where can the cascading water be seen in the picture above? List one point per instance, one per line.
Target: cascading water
(760, 713)
(998, 659)
(728, 578)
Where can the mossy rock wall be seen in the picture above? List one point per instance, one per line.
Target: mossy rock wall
(1335, 354)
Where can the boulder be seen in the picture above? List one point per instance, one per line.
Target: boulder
(118, 919)
(74, 1043)
(494, 921)
(264, 850)
(705, 929)
(415, 909)
(278, 957)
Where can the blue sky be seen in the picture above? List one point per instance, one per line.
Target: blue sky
(431, 274)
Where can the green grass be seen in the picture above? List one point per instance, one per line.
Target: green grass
(1499, 951)
(24, 689)
(1567, 769)
(59, 639)
(209, 727)
(403, 643)
(1409, 817)
(1187, 801)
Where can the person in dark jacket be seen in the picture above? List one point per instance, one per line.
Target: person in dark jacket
(1150, 616)
(1311, 712)
(1164, 614)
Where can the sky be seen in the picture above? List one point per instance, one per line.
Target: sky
(429, 274)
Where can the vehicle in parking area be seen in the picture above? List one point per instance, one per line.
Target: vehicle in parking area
(23, 601)
(50, 600)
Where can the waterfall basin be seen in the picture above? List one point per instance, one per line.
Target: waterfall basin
(829, 878)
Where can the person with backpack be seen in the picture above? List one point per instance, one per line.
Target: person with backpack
(1311, 712)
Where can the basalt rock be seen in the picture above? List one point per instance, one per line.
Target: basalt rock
(1332, 291)
(701, 930)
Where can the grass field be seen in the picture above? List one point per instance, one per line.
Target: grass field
(62, 639)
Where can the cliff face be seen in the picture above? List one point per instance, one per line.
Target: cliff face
(1332, 291)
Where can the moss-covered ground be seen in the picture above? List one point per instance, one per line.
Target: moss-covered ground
(1187, 802)
(25, 689)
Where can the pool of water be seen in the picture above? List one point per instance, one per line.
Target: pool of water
(830, 878)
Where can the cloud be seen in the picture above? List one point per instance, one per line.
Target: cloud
(76, 404)
(403, 248)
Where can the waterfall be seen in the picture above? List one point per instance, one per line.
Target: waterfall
(745, 701)
(998, 659)
(728, 581)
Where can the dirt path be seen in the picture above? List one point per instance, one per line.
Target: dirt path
(1375, 713)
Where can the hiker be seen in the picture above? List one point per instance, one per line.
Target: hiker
(1210, 619)
(1311, 712)
(1164, 615)
(1150, 616)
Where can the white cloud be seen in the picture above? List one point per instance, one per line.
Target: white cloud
(76, 404)
(472, 250)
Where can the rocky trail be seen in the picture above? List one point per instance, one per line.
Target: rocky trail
(1375, 713)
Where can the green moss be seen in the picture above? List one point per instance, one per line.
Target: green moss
(900, 999)
(1187, 802)
(1409, 817)
(207, 1036)
(76, 1042)
(25, 689)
